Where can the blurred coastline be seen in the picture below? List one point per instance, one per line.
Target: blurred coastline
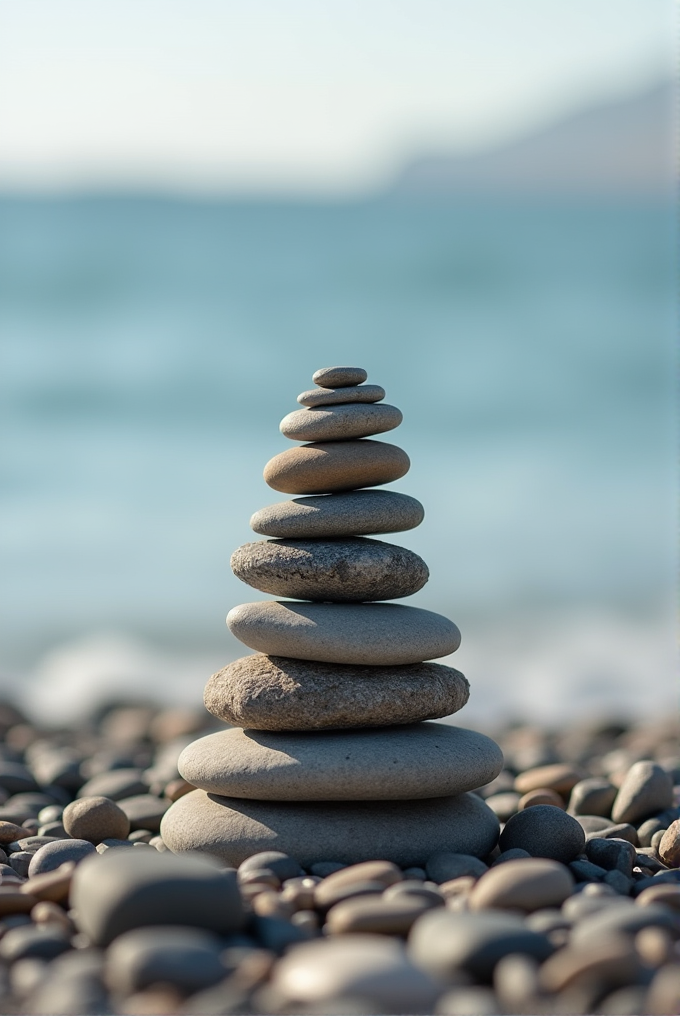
(152, 343)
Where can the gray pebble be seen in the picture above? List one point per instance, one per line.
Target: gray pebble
(16, 778)
(115, 784)
(332, 396)
(620, 883)
(124, 889)
(592, 823)
(349, 513)
(342, 570)
(619, 921)
(342, 422)
(592, 796)
(52, 855)
(19, 861)
(648, 828)
(325, 868)
(95, 819)
(612, 853)
(510, 855)
(339, 377)
(504, 805)
(622, 831)
(646, 789)
(188, 958)
(144, 811)
(281, 864)
(544, 831)
(444, 866)
(34, 941)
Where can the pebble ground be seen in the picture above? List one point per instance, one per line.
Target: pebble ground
(576, 910)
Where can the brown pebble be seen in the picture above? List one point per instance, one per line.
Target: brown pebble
(382, 872)
(261, 876)
(51, 886)
(668, 847)
(543, 795)
(526, 884)
(177, 788)
(95, 819)
(611, 961)
(375, 915)
(654, 946)
(10, 832)
(47, 912)
(559, 776)
(324, 467)
(457, 886)
(272, 904)
(14, 901)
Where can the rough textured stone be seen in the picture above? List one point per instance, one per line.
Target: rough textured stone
(95, 819)
(124, 889)
(344, 571)
(395, 763)
(53, 855)
(324, 467)
(612, 854)
(332, 396)
(373, 634)
(443, 942)
(279, 693)
(349, 513)
(342, 422)
(188, 958)
(646, 789)
(526, 884)
(339, 377)
(369, 967)
(544, 831)
(399, 831)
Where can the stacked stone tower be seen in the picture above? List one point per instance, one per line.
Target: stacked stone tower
(330, 757)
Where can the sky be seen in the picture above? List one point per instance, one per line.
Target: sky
(320, 96)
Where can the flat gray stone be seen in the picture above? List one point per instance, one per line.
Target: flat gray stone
(339, 377)
(341, 422)
(332, 396)
(326, 466)
(352, 513)
(279, 693)
(344, 571)
(646, 790)
(372, 634)
(393, 763)
(405, 832)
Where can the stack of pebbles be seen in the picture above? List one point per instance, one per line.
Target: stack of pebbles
(336, 761)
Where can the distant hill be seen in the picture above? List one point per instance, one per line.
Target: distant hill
(623, 147)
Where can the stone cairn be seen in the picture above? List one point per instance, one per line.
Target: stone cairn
(330, 757)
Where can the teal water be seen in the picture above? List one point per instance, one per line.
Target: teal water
(150, 347)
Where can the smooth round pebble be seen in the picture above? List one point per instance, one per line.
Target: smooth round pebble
(339, 377)
(526, 884)
(332, 396)
(53, 855)
(279, 693)
(395, 763)
(124, 889)
(283, 866)
(324, 467)
(371, 634)
(349, 513)
(646, 789)
(445, 865)
(95, 819)
(406, 833)
(144, 811)
(342, 570)
(592, 796)
(342, 422)
(544, 831)
(186, 957)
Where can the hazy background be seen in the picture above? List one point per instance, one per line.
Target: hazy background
(202, 202)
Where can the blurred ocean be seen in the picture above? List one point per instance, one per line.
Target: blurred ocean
(150, 347)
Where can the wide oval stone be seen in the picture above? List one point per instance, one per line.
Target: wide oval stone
(339, 377)
(524, 884)
(352, 513)
(339, 570)
(332, 396)
(381, 634)
(341, 422)
(324, 467)
(394, 763)
(405, 832)
(279, 693)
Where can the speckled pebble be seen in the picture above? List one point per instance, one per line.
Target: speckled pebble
(544, 831)
(343, 422)
(332, 396)
(95, 819)
(348, 513)
(325, 467)
(339, 377)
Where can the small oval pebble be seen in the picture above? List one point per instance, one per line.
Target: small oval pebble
(375, 915)
(669, 845)
(544, 831)
(53, 855)
(380, 634)
(325, 467)
(349, 513)
(646, 789)
(526, 884)
(385, 873)
(344, 571)
(543, 796)
(95, 819)
(331, 396)
(592, 796)
(343, 422)
(339, 377)
(560, 777)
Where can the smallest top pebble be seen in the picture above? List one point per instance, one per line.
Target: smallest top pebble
(339, 377)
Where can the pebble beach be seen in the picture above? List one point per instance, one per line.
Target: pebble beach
(322, 837)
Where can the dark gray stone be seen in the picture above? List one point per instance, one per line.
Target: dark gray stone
(622, 831)
(444, 866)
(648, 828)
(144, 811)
(350, 513)
(52, 855)
(351, 570)
(646, 789)
(186, 957)
(612, 853)
(123, 889)
(16, 778)
(115, 784)
(586, 871)
(19, 861)
(620, 883)
(592, 823)
(510, 855)
(34, 942)
(544, 831)
(443, 943)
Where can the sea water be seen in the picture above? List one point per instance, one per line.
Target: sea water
(151, 345)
